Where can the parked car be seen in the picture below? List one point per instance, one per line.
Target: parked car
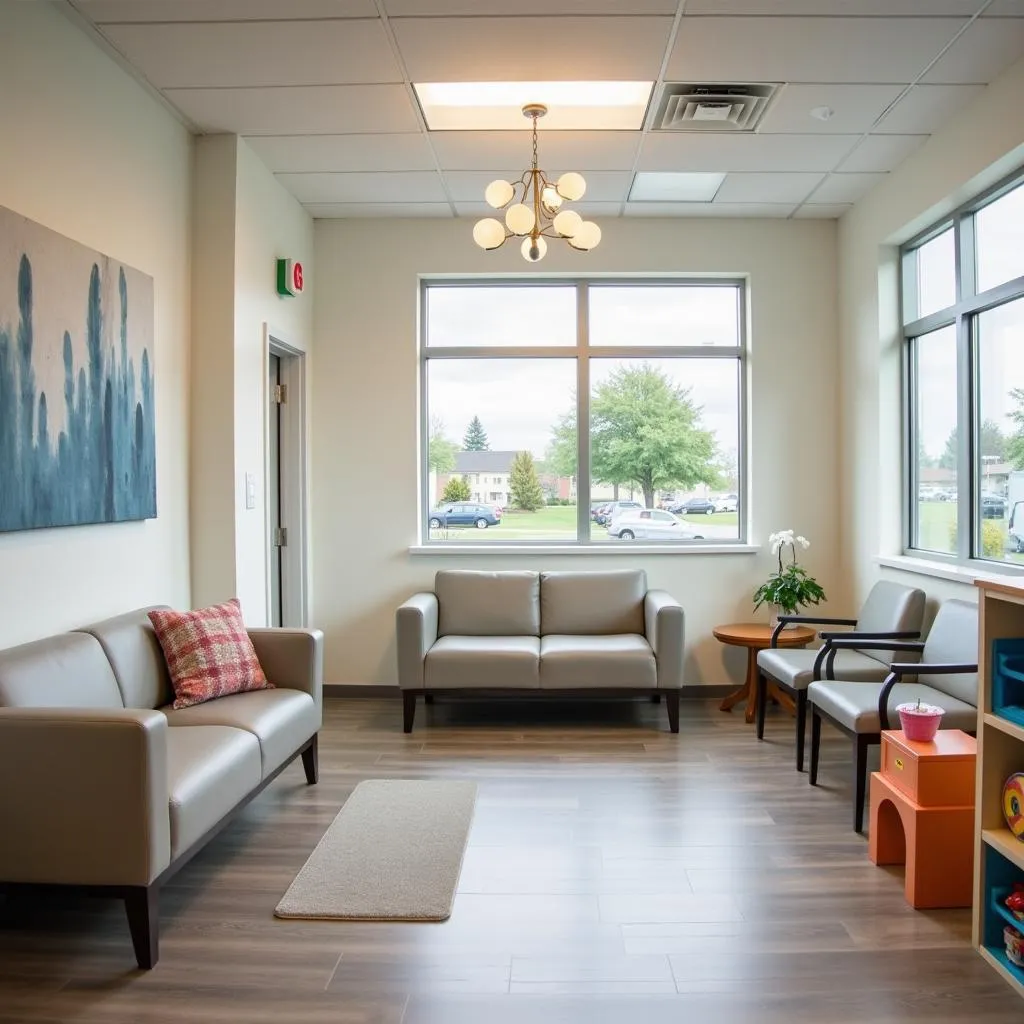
(464, 513)
(726, 503)
(694, 506)
(610, 512)
(992, 506)
(651, 524)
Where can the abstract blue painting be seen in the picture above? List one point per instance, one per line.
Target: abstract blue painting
(77, 431)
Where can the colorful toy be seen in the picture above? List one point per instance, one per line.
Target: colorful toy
(1014, 945)
(1015, 901)
(1013, 804)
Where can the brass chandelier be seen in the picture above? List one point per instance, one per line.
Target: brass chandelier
(533, 208)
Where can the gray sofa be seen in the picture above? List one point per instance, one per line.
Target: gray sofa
(108, 789)
(532, 633)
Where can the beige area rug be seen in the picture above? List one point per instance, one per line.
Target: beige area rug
(393, 853)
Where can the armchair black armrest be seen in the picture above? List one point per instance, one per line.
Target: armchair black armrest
(827, 653)
(912, 634)
(899, 669)
(807, 620)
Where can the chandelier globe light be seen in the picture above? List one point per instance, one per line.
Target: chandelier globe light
(535, 208)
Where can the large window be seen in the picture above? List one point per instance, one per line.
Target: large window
(571, 412)
(963, 311)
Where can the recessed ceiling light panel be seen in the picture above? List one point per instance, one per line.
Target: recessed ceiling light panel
(675, 186)
(497, 106)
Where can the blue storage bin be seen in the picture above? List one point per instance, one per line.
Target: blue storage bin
(1008, 679)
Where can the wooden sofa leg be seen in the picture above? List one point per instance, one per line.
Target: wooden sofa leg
(311, 762)
(142, 907)
(408, 709)
(672, 703)
(860, 781)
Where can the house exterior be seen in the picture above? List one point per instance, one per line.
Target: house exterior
(489, 474)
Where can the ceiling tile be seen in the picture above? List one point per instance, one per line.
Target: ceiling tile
(926, 108)
(105, 11)
(357, 187)
(335, 109)
(715, 209)
(882, 152)
(499, 49)
(407, 152)
(695, 151)
(584, 209)
(766, 188)
(471, 151)
(822, 210)
(821, 8)
(1005, 9)
(492, 8)
(262, 53)
(332, 210)
(845, 188)
(855, 108)
(988, 47)
(807, 49)
(602, 186)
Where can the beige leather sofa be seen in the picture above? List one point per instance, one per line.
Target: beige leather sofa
(109, 790)
(533, 633)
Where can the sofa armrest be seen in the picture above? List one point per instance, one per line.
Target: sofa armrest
(292, 659)
(85, 796)
(664, 622)
(416, 625)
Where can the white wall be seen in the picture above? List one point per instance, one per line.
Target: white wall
(90, 154)
(978, 147)
(365, 419)
(244, 222)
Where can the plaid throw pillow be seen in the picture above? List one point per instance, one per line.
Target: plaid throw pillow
(208, 653)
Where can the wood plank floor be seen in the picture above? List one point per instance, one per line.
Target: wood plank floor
(615, 873)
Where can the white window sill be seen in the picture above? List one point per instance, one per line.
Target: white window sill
(589, 550)
(945, 570)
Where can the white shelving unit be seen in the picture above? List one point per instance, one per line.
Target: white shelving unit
(998, 854)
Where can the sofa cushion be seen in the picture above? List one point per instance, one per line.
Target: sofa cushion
(474, 603)
(209, 770)
(483, 662)
(592, 602)
(616, 660)
(68, 670)
(795, 668)
(130, 644)
(281, 720)
(209, 653)
(855, 705)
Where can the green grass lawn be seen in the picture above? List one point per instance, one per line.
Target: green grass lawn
(553, 522)
(937, 526)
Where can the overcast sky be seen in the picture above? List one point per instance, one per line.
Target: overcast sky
(519, 400)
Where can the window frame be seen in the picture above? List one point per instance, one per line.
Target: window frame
(963, 316)
(582, 353)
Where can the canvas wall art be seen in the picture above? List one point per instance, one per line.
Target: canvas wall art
(77, 431)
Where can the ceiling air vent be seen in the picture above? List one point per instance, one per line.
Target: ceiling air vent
(685, 107)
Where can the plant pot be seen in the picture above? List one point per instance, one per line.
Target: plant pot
(778, 610)
(920, 722)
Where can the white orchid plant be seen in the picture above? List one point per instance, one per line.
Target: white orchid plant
(790, 586)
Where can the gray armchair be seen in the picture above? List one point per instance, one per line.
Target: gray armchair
(946, 671)
(890, 611)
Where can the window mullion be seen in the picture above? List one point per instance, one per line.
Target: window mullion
(966, 431)
(582, 414)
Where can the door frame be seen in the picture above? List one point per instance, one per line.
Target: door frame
(294, 478)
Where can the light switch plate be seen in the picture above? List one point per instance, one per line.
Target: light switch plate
(250, 490)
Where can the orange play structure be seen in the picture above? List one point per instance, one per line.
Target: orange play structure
(922, 815)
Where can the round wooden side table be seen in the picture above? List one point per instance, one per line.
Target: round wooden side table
(756, 636)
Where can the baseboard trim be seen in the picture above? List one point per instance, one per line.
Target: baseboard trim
(378, 690)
